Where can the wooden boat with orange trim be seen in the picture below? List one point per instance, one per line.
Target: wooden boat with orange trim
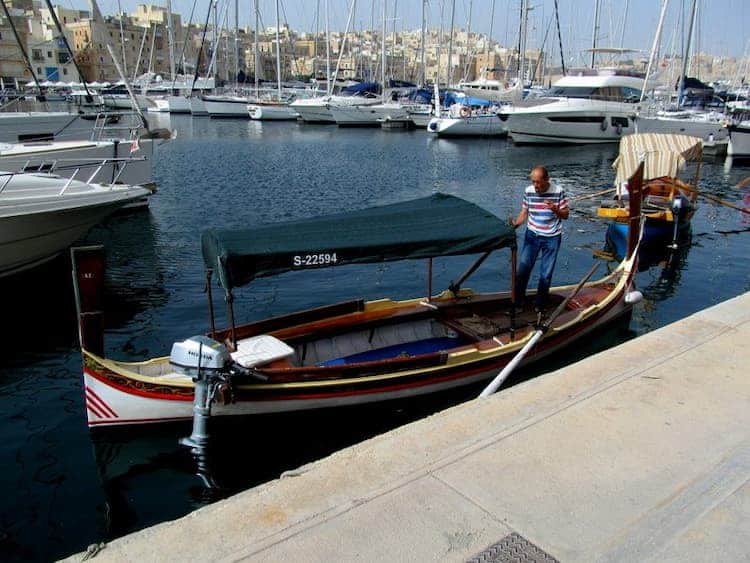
(347, 353)
(668, 202)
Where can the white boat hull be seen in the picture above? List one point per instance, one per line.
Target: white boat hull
(703, 129)
(366, 115)
(37, 222)
(124, 102)
(272, 112)
(313, 112)
(108, 405)
(197, 107)
(739, 140)
(227, 107)
(472, 126)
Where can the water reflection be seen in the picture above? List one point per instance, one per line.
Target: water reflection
(135, 277)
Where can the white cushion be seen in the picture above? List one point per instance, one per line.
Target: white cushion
(259, 350)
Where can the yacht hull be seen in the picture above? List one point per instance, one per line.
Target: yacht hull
(488, 125)
(271, 112)
(37, 221)
(739, 140)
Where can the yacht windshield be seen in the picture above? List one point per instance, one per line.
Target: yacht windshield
(608, 93)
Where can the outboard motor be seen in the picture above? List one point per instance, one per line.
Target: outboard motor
(209, 365)
(680, 208)
(212, 369)
(199, 355)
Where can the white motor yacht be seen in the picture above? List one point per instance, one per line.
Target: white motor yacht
(42, 214)
(588, 108)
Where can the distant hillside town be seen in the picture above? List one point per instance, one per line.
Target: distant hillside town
(141, 42)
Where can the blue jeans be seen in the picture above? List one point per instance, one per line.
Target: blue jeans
(533, 245)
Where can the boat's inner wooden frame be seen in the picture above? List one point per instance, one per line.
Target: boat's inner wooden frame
(453, 287)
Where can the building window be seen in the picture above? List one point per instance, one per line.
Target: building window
(49, 54)
(38, 70)
(65, 19)
(65, 71)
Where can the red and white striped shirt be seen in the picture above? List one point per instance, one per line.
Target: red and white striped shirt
(542, 220)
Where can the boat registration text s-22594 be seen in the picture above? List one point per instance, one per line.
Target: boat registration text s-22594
(312, 260)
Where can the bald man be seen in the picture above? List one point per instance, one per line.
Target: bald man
(544, 208)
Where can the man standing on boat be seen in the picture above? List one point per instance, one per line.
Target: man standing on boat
(544, 208)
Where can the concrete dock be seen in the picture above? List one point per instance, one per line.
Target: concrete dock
(641, 452)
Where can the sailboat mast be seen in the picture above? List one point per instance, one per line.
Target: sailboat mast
(255, 48)
(487, 43)
(450, 45)
(654, 47)
(329, 88)
(278, 52)
(140, 54)
(422, 74)
(686, 54)
(382, 52)
(522, 42)
(236, 40)
(122, 37)
(170, 39)
(595, 32)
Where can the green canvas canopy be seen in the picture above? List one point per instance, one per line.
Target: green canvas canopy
(439, 225)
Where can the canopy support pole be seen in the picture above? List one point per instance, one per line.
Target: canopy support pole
(513, 261)
(429, 279)
(211, 316)
(230, 307)
(456, 286)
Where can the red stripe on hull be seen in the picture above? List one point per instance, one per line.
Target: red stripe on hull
(93, 409)
(99, 402)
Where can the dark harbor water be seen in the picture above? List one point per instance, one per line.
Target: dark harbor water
(64, 488)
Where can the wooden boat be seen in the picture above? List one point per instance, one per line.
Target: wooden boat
(347, 353)
(668, 202)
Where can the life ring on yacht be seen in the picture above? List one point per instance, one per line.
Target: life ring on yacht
(464, 111)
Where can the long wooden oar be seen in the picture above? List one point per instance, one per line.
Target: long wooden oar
(743, 183)
(589, 196)
(713, 198)
(503, 375)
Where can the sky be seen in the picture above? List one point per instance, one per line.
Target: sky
(722, 25)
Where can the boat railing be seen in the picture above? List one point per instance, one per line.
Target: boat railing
(76, 165)
(120, 125)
